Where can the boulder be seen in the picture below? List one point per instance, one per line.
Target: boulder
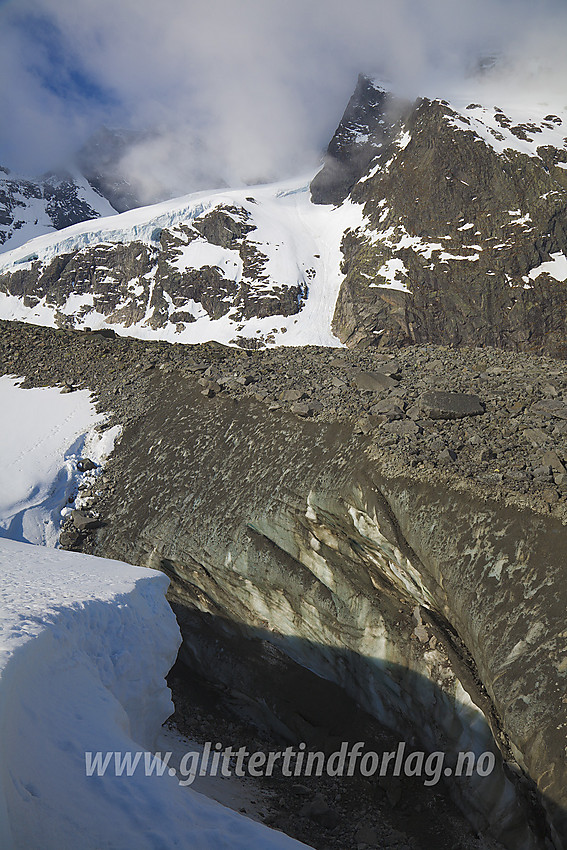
(444, 405)
(551, 407)
(83, 522)
(403, 428)
(293, 395)
(85, 464)
(70, 538)
(301, 409)
(373, 381)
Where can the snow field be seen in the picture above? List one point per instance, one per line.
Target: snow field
(43, 432)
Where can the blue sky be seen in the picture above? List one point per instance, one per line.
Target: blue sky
(58, 67)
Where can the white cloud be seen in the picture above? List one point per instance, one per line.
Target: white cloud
(241, 91)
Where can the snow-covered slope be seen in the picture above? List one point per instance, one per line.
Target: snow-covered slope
(30, 207)
(420, 210)
(43, 433)
(259, 264)
(85, 644)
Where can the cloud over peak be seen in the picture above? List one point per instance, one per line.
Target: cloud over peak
(247, 91)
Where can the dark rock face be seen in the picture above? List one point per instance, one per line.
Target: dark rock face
(369, 124)
(63, 206)
(55, 196)
(456, 225)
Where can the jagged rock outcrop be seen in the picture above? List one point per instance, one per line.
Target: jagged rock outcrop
(371, 122)
(465, 233)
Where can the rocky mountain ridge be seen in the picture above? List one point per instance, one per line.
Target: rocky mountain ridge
(440, 224)
(32, 207)
(465, 233)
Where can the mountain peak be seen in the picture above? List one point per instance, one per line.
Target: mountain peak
(370, 122)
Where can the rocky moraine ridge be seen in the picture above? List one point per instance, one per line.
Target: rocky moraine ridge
(393, 522)
(491, 422)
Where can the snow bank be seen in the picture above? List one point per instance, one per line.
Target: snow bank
(85, 644)
(43, 432)
(556, 267)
